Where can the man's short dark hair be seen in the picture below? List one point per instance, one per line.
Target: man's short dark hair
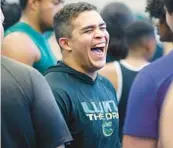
(63, 19)
(12, 14)
(137, 31)
(155, 8)
(169, 5)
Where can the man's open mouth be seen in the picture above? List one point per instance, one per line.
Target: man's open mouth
(98, 48)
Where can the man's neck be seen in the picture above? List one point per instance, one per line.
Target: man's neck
(136, 59)
(73, 64)
(30, 20)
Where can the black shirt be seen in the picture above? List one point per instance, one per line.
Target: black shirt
(30, 116)
(89, 107)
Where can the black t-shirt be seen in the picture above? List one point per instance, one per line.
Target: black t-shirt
(29, 113)
(89, 107)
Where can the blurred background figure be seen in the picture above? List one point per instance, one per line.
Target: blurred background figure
(12, 13)
(141, 44)
(31, 47)
(168, 4)
(156, 11)
(117, 16)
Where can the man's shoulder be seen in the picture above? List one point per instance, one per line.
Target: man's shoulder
(161, 65)
(54, 72)
(21, 47)
(14, 65)
(18, 75)
(106, 83)
(19, 38)
(17, 70)
(158, 70)
(57, 79)
(20, 34)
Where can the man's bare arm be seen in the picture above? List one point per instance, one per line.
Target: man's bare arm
(20, 47)
(136, 142)
(166, 130)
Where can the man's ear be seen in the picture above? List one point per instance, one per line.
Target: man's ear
(65, 45)
(33, 4)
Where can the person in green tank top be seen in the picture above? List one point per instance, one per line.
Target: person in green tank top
(141, 43)
(24, 41)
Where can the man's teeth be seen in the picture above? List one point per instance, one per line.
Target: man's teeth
(101, 45)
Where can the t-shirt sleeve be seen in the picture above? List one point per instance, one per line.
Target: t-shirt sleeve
(50, 127)
(142, 115)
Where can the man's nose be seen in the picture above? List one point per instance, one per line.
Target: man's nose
(99, 33)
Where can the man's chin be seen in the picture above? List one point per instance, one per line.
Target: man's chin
(98, 65)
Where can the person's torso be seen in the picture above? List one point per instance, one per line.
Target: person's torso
(16, 125)
(94, 117)
(47, 58)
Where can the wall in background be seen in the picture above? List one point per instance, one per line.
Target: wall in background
(136, 5)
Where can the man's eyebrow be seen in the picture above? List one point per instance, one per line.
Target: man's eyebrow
(102, 24)
(92, 26)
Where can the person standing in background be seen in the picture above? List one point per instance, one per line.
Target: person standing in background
(155, 8)
(31, 47)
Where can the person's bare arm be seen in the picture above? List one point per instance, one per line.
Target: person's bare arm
(20, 47)
(136, 142)
(109, 71)
(166, 120)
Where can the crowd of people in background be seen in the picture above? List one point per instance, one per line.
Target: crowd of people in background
(77, 77)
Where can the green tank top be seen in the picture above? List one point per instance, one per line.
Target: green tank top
(47, 58)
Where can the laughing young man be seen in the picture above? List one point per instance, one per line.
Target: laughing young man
(86, 99)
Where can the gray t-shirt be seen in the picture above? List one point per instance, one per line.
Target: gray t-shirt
(30, 117)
